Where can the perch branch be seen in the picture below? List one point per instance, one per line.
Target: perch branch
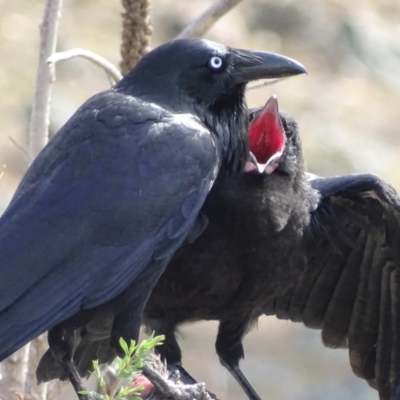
(168, 389)
(40, 117)
(109, 67)
(203, 23)
(38, 133)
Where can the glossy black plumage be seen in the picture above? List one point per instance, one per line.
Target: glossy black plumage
(350, 288)
(233, 268)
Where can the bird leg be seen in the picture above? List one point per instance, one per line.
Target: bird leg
(170, 350)
(61, 343)
(184, 376)
(236, 372)
(129, 305)
(230, 350)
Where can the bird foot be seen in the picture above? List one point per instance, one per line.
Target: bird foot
(177, 389)
(179, 375)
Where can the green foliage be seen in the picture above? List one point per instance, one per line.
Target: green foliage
(135, 357)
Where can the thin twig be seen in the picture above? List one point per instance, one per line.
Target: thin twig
(203, 23)
(3, 170)
(40, 118)
(109, 67)
(268, 82)
(19, 147)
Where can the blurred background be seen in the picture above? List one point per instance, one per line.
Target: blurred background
(347, 109)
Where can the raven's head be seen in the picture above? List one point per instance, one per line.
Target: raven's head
(274, 141)
(207, 79)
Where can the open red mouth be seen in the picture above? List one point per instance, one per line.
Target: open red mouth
(266, 139)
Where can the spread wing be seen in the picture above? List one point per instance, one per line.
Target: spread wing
(351, 286)
(115, 191)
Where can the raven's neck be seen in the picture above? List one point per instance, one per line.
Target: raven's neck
(229, 123)
(227, 119)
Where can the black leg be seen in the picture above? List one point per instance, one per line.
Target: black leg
(127, 326)
(61, 342)
(170, 350)
(243, 382)
(129, 305)
(230, 350)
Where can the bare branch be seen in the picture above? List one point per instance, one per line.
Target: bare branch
(19, 147)
(17, 366)
(202, 24)
(39, 124)
(14, 373)
(109, 67)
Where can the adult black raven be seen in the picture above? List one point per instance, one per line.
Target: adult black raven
(106, 204)
(318, 250)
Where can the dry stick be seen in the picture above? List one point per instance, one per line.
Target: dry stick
(202, 24)
(19, 147)
(40, 117)
(109, 67)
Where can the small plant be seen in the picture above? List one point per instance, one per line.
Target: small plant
(127, 367)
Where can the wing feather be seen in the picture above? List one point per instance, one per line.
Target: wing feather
(116, 191)
(350, 287)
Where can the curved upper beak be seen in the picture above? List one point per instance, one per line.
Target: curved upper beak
(253, 65)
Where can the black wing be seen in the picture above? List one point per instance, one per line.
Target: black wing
(117, 188)
(351, 286)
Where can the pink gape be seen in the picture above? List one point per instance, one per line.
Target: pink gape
(266, 139)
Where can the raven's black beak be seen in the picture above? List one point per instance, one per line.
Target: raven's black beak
(253, 65)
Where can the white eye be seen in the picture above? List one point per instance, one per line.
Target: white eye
(216, 62)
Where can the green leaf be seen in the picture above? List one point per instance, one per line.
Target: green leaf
(124, 346)
(94, 395)
(128, 366)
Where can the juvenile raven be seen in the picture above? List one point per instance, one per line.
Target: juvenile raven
(106, 204)
(322, 251)
(250, 252)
